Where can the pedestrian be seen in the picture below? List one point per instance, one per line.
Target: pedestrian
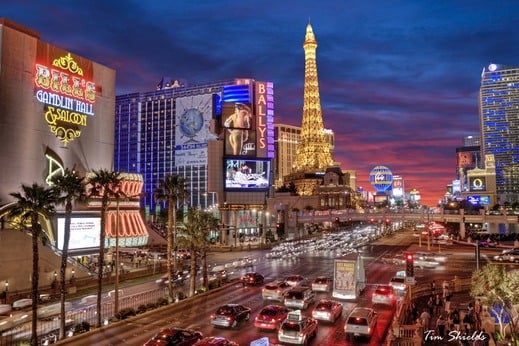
(438, 304)
(440, 326)
(447, 300)
(425, 317)
(433, 287)
(430, 305)
(455, 318)
(445, 288)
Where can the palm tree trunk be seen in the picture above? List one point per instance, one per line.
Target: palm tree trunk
(170, 250)
(63, 269)
(35, 278)
(192, 272)
(204, 268)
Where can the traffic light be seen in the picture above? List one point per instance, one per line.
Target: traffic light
(409, 265)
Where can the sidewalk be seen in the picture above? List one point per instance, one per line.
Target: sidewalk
(460, 299)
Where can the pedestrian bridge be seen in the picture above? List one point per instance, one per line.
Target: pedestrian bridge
(407, 215)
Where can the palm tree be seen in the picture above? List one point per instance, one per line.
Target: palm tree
(197, 228)
(104, 184)
(35, 200)
(71, 188)
(171, 189)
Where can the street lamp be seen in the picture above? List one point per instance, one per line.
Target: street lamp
(6, 290)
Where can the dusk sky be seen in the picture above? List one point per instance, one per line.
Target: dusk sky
(398, 80)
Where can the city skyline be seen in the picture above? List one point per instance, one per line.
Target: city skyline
(398, 83)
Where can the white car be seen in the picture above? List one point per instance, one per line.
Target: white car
(398, 283)
(322, 284)
(275, 290)
(22, 303)
(384, 294)
(361, 322)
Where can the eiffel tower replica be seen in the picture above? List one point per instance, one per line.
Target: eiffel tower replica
(313, 152)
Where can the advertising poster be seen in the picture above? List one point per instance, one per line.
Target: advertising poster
(240, 134)
(193, 117)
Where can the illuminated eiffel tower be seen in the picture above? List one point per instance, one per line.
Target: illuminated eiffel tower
(313, 151)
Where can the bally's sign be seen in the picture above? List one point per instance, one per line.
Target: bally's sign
(68, 97)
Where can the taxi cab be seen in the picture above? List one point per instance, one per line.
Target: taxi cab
(297, 329)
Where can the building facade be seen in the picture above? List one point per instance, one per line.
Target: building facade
(499, 124)
(287, 139)
(218, 135)
(165, 131)
(56, 110)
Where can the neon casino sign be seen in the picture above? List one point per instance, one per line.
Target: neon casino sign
(68, 97)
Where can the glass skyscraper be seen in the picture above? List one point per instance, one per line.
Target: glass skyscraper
(499, 122)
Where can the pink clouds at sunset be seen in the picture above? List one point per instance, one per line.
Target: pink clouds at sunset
(398, 81)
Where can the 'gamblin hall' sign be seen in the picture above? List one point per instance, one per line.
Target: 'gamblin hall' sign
(66, 90)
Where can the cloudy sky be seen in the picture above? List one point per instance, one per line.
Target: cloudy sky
(398, 80)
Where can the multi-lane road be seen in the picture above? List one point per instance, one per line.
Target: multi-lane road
(194, 312)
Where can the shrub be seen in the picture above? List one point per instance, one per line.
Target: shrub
(82, 327)
(125, 313)
(162, 301)
(141, 308)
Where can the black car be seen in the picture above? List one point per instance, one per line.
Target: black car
(229, 315)
(252, 278)
(175, 337)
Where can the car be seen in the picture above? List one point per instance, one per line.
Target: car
(294, 280)
(384, 294)
(183, 254)
(297, 329)
(299, 297)
(327, 310)
(89, 300)
(111, 293)
(252, 278)
(215, 341)
(5, 309)
(361, 322)
(271, 317)
(229, 315)
(487, 243)
(510, 255)
(275, 290)
(174, 337)
(398, 283)
(322, 284)
(178, 277)
(22, 303)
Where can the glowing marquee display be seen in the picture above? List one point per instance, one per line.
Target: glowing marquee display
(67, 95)
(265, 119)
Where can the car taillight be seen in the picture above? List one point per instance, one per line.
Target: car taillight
(229, 318)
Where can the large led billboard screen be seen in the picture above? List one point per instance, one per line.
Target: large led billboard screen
(240, 125)
(84, 232)
(248, 174)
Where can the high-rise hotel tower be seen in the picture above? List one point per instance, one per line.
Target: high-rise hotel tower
(499, 122)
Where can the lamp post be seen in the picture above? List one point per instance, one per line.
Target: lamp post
(116, 284)
(6, 290)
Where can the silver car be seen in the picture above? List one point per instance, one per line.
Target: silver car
(275, 291)
(327, 310)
